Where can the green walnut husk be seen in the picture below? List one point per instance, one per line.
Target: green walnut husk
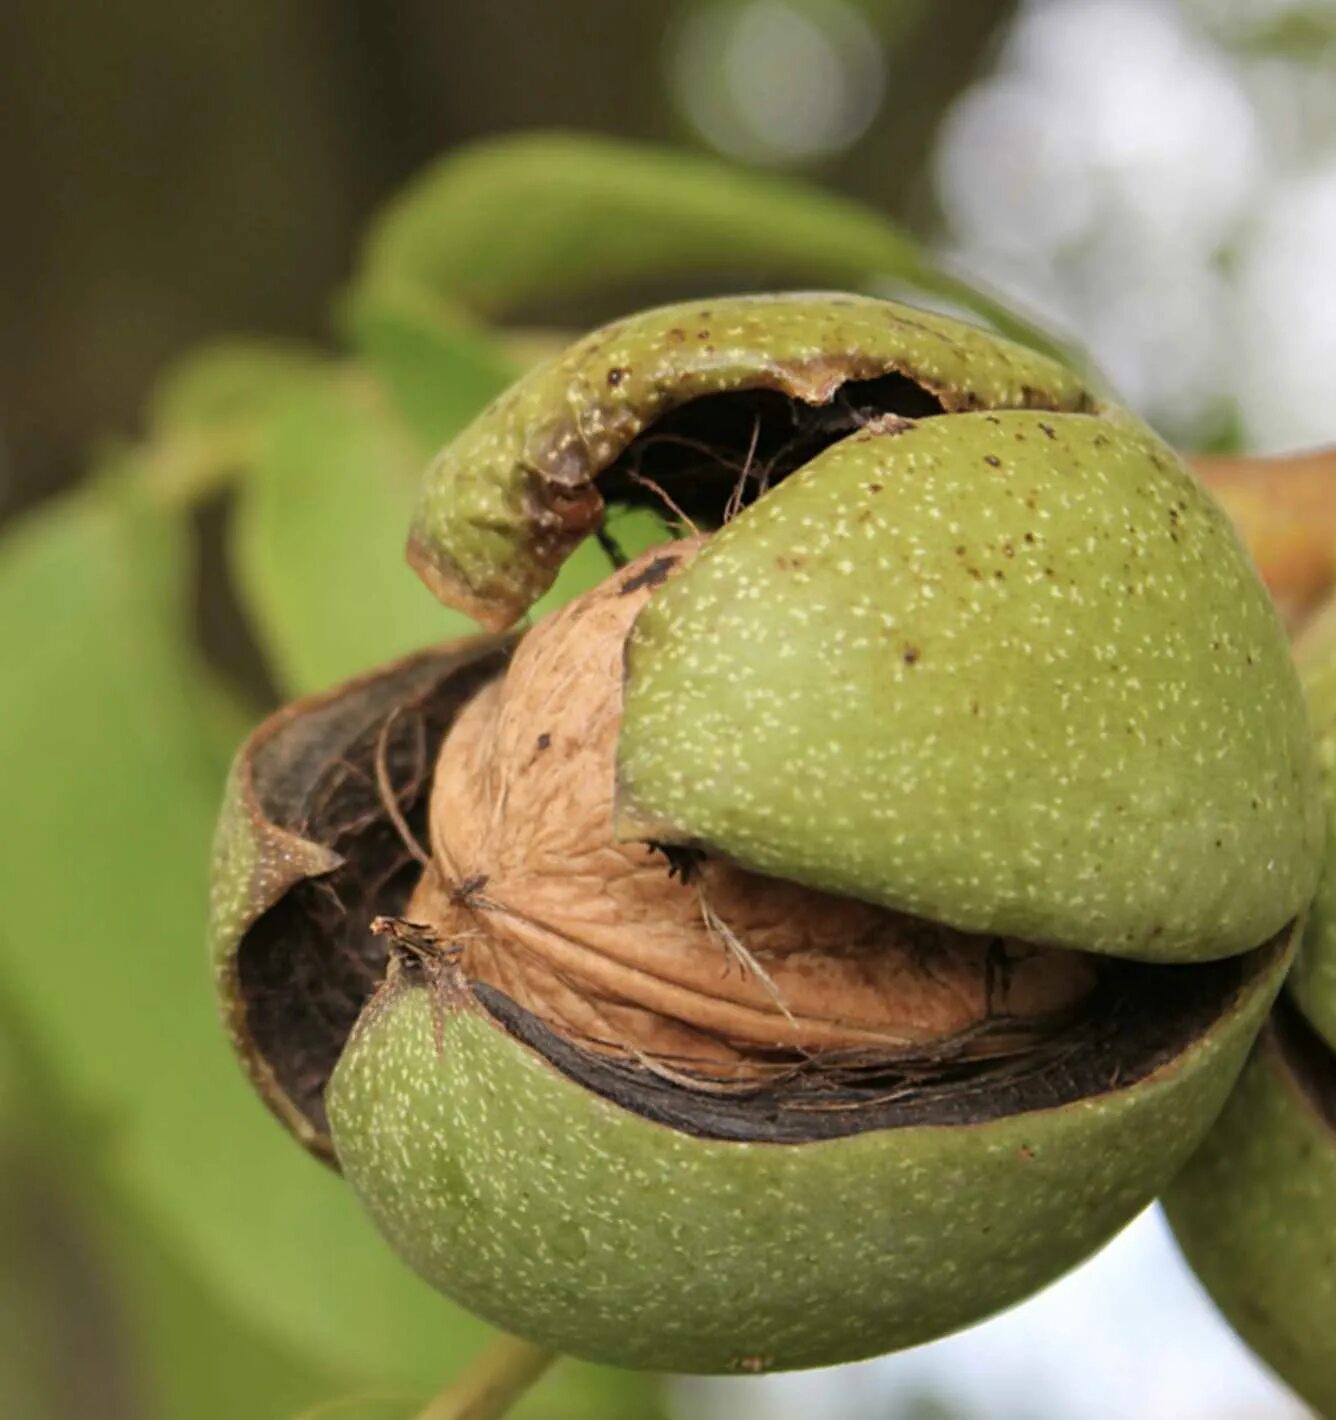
(1255, 1209)
(1313, 982)
(969, 647)
(514, 494)
(1013, 629)
(589, 1224)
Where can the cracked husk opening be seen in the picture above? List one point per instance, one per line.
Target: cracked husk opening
(711, 999)
(640, 969)
(686, 964)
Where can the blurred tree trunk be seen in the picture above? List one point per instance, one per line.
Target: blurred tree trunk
(934, 62)
(176, 173)
(173, 172)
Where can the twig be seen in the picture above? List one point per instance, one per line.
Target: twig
(492, 1383)
(734, 505)
(612, 549)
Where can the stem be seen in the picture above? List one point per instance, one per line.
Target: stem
(492, 1383)
(1285, 507)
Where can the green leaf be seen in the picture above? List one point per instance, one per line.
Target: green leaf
(119, 804)
(571, 1391)
(101, 1317)
(319, 537)
(112, 778)
(507, 221)
(437, 369)
(363, 1407)
(205, 413)
(229, 382)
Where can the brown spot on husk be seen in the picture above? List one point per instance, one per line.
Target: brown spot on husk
(653, 574)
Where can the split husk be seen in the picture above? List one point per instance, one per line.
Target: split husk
(834, 925)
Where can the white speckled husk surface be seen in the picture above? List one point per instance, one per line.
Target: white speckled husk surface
(566, 1218)
(1313, 980)
(1255, 1209)
(1011, 671)
(510, 497)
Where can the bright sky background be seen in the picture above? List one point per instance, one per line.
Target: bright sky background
(1143, 174)
(1157, 177)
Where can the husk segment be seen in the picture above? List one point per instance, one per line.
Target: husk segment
(307, 855)
(1255, 1209)
(583, 1195)
(1313, 981)
(509, 499)
(565, 1215)
(1009, 671)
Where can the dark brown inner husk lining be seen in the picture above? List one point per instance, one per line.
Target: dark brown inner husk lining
(311, 962)
(1138, 1019)
(718, 453)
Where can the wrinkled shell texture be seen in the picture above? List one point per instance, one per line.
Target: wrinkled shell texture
(1010, 671)
(563, 1217)
(597, 939)
(1255, 1214)
(509, 498)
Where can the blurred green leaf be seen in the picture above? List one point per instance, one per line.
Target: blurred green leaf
(203, 1355)
(97, 1315)
(573, 1391)
(319, 538)
(536, 216)
(205, 412)
(438, 370)
(112, 777)
(45, 1262)
(362, 1408)
(1304, 33)
(227, 382)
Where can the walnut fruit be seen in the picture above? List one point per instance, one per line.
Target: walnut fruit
(839, 921)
